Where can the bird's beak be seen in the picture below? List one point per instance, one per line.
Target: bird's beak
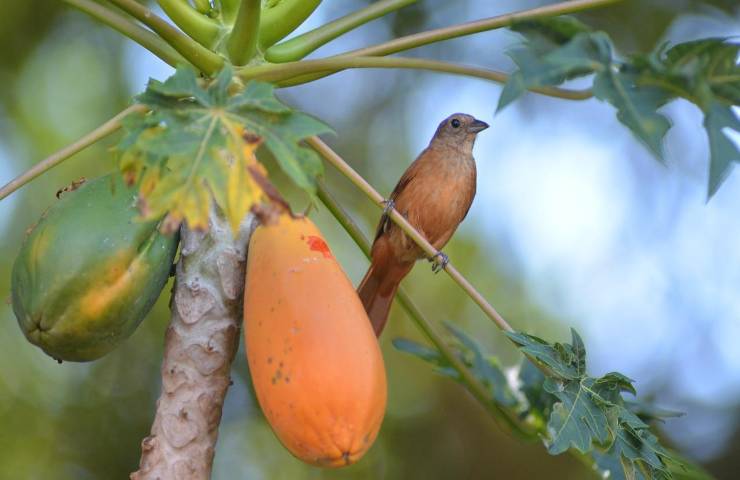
(477, 126)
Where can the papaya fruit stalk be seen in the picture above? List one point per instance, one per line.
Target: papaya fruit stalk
(200, 344)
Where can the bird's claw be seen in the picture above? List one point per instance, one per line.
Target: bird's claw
(388, 205)
(439, 261)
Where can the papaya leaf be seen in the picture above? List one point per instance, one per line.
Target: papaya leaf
(570, 409)
(723, 152)
(550, 32)
(705, 72)
(539, 66)
(199, 140)
(486, 369)
(591, 415)
(636, 106)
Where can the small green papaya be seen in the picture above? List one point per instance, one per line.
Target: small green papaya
(89, 271)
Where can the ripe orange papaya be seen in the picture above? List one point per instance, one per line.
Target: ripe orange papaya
(89, 271)
(315, 363)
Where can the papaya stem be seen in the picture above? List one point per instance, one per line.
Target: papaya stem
(122, 24)
(61, 155)
(295, 73)
(198, 26)
(338, 162)
(300, 46)
(420, 39)
(202, 58)
(242, 43)
(469, 381)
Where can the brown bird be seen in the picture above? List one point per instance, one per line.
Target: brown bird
(434, 194)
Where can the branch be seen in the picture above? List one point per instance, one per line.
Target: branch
(300, 46)
(285, 73)
(58, 157)
(202, 58)
(200, 344)
(332, 157)
(198, 26)
(242, 43)
(481, 393)
(122, 24)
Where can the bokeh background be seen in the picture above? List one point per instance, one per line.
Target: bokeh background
(575, 224)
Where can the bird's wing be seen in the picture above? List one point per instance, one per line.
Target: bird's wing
(408, 175)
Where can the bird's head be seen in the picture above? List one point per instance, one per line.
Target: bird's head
(459, 130)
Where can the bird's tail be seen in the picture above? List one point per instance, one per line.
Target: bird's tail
(378, 288)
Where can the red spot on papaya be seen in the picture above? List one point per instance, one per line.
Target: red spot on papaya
(317, 244)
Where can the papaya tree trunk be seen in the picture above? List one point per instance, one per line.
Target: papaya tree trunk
(200, 343)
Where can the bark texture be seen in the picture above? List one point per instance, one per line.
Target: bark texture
(200, 344)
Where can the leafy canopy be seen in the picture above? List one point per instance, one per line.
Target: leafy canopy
(570, 409)
(198, 140)
(704, 72)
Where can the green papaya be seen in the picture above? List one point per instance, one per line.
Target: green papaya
(89, 271)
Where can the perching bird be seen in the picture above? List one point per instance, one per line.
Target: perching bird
(434, 194)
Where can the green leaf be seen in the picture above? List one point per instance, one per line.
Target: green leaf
(577, 420)
(562, 360)
(723, 151)
(636, 106)
(706, 73)
(540, 66)
(550, 31)
(590, 414)
(487, 370)
(192, 147)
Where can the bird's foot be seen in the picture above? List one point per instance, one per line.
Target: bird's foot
(439, 261)
(388, 205)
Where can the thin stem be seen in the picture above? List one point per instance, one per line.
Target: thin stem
(198, 26)
(432, 36)
(300, 46)
(58, 157)
(481, 393)
(285, 72)
(202, 58)
(242, 43)
(446, 33)
(332, 157)
(122, 24)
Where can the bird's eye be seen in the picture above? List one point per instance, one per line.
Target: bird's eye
(455, 123)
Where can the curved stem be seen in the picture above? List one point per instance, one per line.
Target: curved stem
(284, 73)
(432, 36)
(198, 26)
(202, 58)
(332, 157)
(446, 33)
(122, 24)
(242, 43)
(58, 157)
(300, 46)
(481, 393)
(281, 17)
